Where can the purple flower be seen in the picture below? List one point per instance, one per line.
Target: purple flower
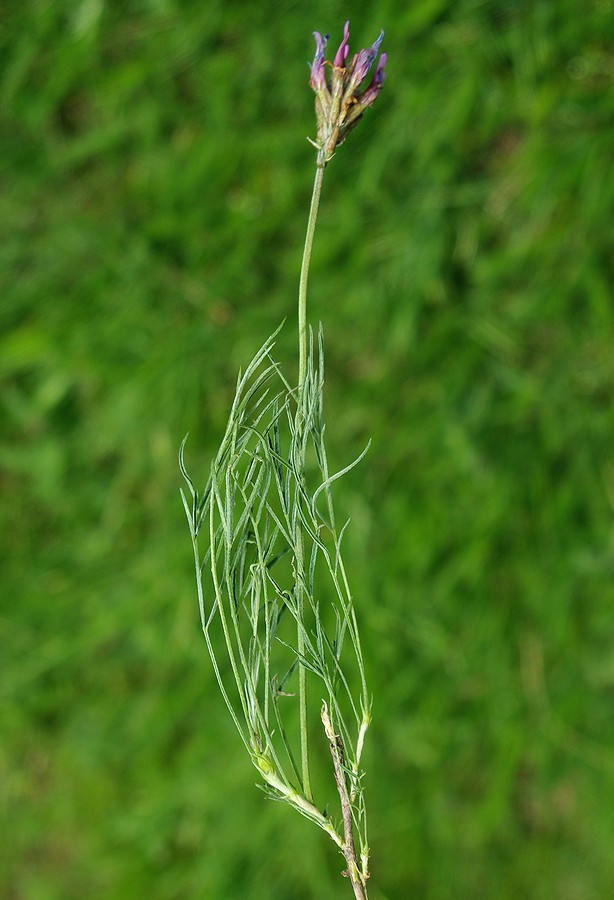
(375, 85)
(318, 80)
(339, 101)
(363, 62)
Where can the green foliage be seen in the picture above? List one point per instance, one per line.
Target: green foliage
(274, 560)
(155, 182)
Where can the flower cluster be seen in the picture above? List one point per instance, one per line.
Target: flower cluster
(339, 101)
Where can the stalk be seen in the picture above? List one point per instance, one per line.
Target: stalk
(302, 289)
(299, 548)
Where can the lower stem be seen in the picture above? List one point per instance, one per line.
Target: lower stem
(359, 892)
(348, 849)
(302, 675)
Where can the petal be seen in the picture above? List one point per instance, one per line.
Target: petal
(364, 61)
(318, 79)
(380, 73)
(344, 49)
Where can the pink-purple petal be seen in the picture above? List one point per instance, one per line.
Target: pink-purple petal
(380, 72)
(318, 78)
(364, 61)
(344, 49)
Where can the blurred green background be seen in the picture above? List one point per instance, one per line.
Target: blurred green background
(155, 179)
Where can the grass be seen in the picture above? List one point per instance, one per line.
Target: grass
(154, 181)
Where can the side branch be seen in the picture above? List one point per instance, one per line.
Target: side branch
(348, 849)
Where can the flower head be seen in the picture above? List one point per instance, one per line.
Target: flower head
(340, 102)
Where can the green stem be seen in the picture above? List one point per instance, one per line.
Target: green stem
(302, 289)
(299, 548)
